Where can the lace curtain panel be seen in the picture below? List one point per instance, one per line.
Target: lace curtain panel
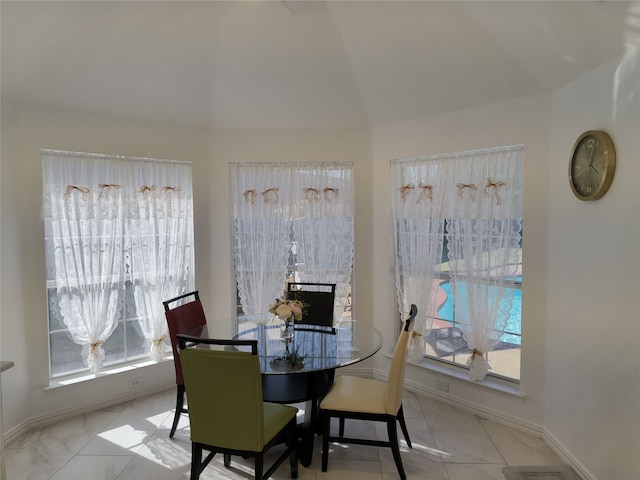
(470, 203)
(110, 219)
(278, 205)
(323, 229)
(418, 206)
(161, 247)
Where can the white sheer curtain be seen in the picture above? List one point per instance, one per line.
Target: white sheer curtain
(418, 198)
(261, 201)
(275, 204)
(323, 227)
(161, 233)
(484, 238)
(473, 202)
(109, 219)
(83, 209)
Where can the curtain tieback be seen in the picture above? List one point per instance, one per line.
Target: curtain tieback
(159, 341)
(404, 191)
(266, 193)
(476, 353)
(414, 337)
(312, 194)
(95, 346)
(495, 186)
(427, 192)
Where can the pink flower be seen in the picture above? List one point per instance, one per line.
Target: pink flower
(296, 308)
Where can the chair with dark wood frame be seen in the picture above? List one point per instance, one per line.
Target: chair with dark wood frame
(369, 399)
(319, 299)
(183, 318)
(227, 413)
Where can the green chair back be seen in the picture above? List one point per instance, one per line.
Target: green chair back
(224, 392)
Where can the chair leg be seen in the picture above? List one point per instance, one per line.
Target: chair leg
(341, 429)
(227, 460)
(259, 466)
(395, 447)
(293, 456)
(179, 408)
(403, 426)
(326, 426)
(196, 461)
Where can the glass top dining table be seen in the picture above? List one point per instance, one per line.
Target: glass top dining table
(312, 348)
(301, 368)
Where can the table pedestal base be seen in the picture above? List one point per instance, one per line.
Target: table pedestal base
(308, 387)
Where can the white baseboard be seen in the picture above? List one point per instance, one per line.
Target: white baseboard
(566, 456)
(465, 405)
(501, 418)
(41, 421)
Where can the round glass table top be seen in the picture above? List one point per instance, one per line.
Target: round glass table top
(312, 348)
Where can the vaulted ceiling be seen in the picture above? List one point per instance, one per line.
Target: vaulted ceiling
(306, 64)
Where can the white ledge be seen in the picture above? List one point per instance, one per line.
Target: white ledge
(493, 383)
(106, 372)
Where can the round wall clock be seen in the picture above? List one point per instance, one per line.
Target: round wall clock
(592, 164)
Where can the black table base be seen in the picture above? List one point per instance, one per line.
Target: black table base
(308, 387)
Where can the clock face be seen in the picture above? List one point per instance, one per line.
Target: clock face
(592, 165)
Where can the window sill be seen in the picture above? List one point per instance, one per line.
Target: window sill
(490, 382)
(106, 372)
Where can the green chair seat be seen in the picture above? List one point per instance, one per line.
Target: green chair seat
(226, 412)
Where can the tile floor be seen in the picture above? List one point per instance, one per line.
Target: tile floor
(131, 442)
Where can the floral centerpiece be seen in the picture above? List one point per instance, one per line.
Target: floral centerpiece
(286, 308)
(290, 310)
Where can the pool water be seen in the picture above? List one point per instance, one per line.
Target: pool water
(513, 328)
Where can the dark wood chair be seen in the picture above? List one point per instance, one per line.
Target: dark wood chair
(183, 318)
(369, 399)
(319, 299)
(227, 413)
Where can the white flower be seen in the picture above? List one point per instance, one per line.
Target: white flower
(283, 311)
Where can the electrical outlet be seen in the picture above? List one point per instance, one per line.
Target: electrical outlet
(442, 385)
(135, 382)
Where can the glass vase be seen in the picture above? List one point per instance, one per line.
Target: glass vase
(287, 330)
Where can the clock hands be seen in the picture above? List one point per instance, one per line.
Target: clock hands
(591, 148)
(589, 161)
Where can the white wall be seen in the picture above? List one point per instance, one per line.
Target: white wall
(27, 128)
(581, 328)
(521, 121)
(580, 369)
(592, 399)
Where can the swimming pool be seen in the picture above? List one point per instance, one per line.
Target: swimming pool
(513, 329)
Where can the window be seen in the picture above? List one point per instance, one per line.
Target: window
(291, 221)
(445, 341)
(458, 239)
(118, 241)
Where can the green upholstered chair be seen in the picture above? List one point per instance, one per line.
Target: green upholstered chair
(369, 399)
(226, 412)
(182, 318)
